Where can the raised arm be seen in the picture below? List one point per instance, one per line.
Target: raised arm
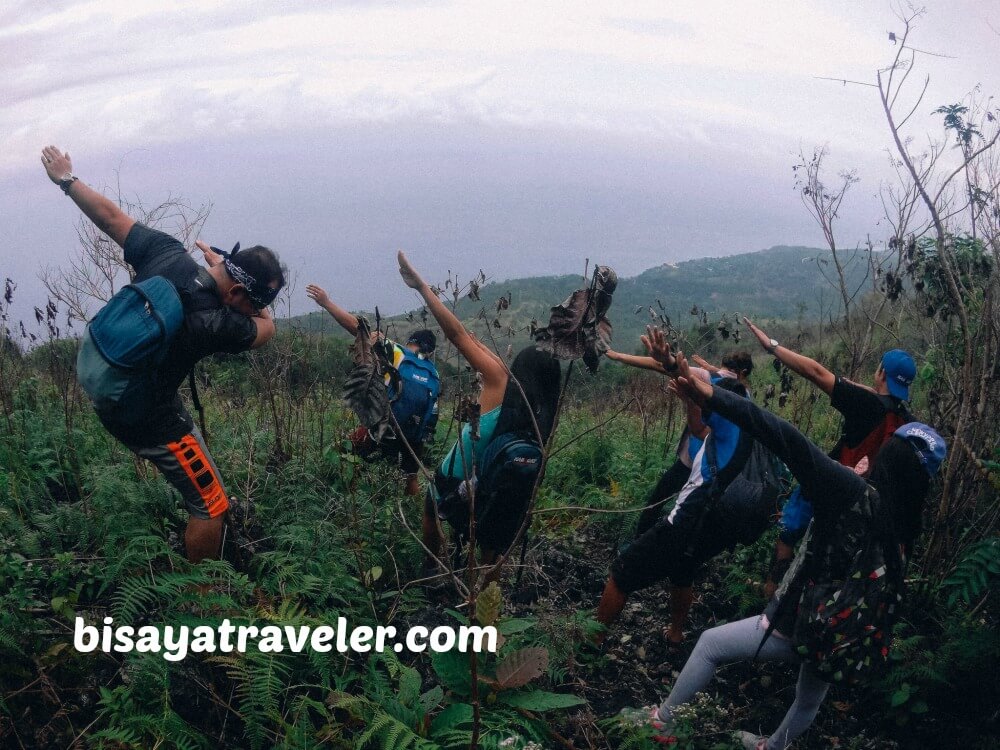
(105, 214)
(634, 360)
(823, 480)
(808, 368)
(347, 321)
(648, 363)
(480, 357)
(695, 422)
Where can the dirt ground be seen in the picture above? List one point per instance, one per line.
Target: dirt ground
(637, 667)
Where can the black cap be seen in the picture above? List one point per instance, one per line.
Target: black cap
(424, 339)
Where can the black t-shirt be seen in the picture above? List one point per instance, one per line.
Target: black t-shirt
(863, 410)
(209, 327)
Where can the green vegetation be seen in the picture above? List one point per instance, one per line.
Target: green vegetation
(85, 529)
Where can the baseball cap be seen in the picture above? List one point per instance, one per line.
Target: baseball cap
(900, 370)
(926, 442)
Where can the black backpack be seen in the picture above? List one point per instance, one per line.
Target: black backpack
(749, 502)
(506, 472)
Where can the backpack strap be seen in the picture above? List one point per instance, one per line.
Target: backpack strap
(191, 305)
(193, 384)
(714, 493)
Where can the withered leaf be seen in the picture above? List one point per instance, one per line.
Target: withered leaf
(468, 411)
(579, 327)
(521, 667)
(365, 389)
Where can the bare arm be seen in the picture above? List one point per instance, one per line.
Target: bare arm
(347, 321)
(211, 257)
(649, 363)
(482, 359)
(808, 368)
(105, 214)
(265, 328)
(704, 364)
(633, 360)
(695, 423)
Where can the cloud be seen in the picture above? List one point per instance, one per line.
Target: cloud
(691, 111)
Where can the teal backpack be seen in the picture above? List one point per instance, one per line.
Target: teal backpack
(123, 346)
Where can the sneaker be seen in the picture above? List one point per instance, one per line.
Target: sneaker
(752, 741)
(647, 717)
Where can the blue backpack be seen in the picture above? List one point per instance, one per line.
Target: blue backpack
(507, 470)
(123, 346)
(414, 399)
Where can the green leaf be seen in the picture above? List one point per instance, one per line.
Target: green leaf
(431, 699)
(451, 718)
(409, 686)
(920, 707)
(540, 700)
(900, 697)
(452, 669)
(514, 625)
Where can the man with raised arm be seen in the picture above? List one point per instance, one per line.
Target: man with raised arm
(871, 416)
(713, 511)
(736, 365)
(224, 310)
(414, 400)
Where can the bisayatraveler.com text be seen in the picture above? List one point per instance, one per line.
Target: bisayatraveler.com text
(176, 642)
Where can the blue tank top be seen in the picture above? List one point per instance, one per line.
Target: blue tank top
(453, 464)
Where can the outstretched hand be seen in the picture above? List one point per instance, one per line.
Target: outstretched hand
(317, 294)
(211, 257)
(57, 164)
(763, 338)
(659, 349)
(410, 276)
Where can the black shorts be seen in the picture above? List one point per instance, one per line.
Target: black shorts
(666, 551)
(658, 554)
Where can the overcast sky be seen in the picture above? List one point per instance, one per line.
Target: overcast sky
(516, 137)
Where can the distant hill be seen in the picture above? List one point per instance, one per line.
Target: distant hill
(782, 282)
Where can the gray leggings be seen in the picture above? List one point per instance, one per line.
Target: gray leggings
(738, 641)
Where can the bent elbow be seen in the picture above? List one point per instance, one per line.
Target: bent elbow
(265, 332)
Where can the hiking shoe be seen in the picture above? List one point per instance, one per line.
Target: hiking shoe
(752, 741)
(647, 717)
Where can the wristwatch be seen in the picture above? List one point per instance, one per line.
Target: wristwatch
(774, 345)
(66, 181)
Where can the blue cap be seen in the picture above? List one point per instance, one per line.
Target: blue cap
(900, 370)
(928, 445)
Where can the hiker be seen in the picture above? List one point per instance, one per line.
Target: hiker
(736, 365)
(414, 406)
(854, 553)
(512, 411)
(219, 309)
(871, 416)
(713, 512)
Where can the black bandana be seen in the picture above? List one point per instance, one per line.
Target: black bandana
(261, 295)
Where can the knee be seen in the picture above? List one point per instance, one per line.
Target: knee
(708, 644)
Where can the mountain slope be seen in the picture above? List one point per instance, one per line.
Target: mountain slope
(782, 282)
